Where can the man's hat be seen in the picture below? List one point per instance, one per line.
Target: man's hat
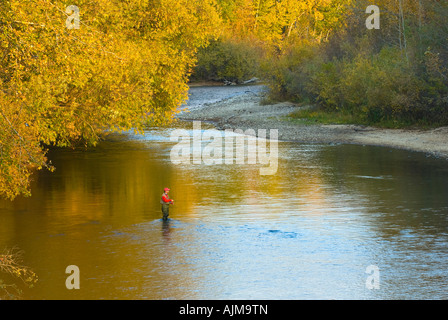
(166, 189)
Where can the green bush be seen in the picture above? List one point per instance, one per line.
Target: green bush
(288, 75)
(377, 76)
(325, 85)
(379, 88)
(227, 60)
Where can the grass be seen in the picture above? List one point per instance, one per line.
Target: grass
(313, 115)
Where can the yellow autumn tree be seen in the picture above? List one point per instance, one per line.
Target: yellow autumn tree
(124, 66)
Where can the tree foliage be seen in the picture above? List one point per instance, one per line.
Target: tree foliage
(321, 52)
(128, 65)
(228, 60)
(267, 29)
(125, 67)
(11, 266)
(395, 74)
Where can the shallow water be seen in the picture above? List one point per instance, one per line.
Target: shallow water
(200, 96)
(307, 232)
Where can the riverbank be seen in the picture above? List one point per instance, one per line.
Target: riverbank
(247, 111)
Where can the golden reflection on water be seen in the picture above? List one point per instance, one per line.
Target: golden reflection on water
(100, 210)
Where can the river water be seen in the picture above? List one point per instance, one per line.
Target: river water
(313, 230)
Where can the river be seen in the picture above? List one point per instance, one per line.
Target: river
(313, 230)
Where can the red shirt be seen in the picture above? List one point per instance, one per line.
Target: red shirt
(165, 198)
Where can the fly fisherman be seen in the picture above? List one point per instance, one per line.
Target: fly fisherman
(166, 201)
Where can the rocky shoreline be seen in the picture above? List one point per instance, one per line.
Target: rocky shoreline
(246, 111)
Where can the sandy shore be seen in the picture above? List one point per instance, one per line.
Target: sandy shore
(245, 111)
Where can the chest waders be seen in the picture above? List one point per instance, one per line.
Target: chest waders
(165, 209)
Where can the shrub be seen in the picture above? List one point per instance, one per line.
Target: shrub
(227, 60)
(288, 75)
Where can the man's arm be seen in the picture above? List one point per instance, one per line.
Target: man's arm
(166, 199)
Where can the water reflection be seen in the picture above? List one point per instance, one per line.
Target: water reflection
(309, 231)
(166, 229)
